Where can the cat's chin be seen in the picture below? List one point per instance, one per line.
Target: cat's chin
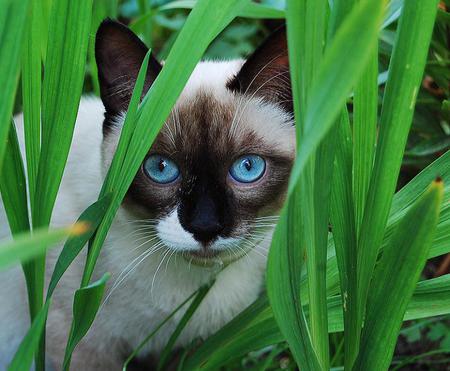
(209, 258)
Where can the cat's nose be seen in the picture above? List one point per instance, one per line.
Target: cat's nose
(203, 219)
(205, 230)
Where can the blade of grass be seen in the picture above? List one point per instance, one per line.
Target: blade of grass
(165, 354)
(344, 234)
(157, 328)
(13, 15)
(26, 247)
(249, 9)
(23, 358)
(405, 73)
(86, 303)
(69, 28)
(31, 94)
(395, 278)
(342, 64)
(234, 341)
(92, 217)
(306, 23)
(283, 289)
(13, 185)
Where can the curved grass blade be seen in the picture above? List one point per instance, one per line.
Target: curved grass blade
(31, 94)
(431, 298)
(395, 278)
(92, 217)
(405, 74)
(69, 28)
(342, 64)
(157, 328)
(13, 185)
(23, 358)
(165, 354)
(25, 246)
(86, 303)
(283, 285)
(13, 15)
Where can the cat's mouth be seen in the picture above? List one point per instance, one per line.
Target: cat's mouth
(209, 257)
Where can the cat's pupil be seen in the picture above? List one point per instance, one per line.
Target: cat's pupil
(247, 164)
(162, 165)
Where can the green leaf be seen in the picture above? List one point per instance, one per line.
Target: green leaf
(249, 10)
(306, 26)
(86, 303)
(165, 354)
(69, 28)
(13, 15)
(24, 356)
(283, 285)
(258, 328)
(160, 325)
(31, 93)
(342, 64)
(13, 185)
(92, 217)
(25, 246)
(395, 278)
(405, 74)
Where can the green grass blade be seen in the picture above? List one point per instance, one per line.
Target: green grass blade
(395, 278)
(26, 247)
(342, 64)
(70, 23)
(190, 45)
(306, 22)
(157, 328)
(165, 354)
(344, 234)
(13, 185)
(31, 94)
(365, 112)
(13, 15)
(23, 358)
(86, 303)
(249, 10)
(283, 285)
(91, 217)
(405, 74)
(247, 317)
(431, 298)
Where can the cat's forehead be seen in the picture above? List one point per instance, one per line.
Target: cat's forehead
(208, 117)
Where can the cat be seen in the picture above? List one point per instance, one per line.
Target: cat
(203, 205)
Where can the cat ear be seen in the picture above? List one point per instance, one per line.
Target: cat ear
(119, 54)
(266, 72)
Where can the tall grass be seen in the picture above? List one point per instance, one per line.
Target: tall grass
(360, 279)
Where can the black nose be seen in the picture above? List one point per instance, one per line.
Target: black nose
(202, 219)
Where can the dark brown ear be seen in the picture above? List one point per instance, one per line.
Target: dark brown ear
(119, 54)
(266, 72)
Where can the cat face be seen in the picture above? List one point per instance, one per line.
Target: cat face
(216, 176)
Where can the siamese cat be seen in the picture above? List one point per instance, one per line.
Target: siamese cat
(202, 206)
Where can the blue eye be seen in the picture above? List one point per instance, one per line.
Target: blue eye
(161, 169)
(248, 168)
